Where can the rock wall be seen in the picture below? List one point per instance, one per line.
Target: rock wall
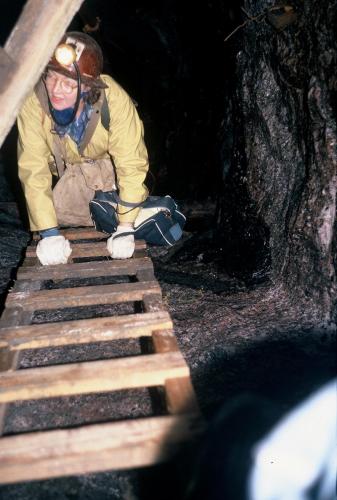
(282, 179)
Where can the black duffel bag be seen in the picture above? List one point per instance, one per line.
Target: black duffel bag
(159, 222)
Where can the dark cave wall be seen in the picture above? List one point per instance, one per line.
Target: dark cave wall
(282, 179)
(169, 56)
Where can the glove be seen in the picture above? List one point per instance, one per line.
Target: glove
(121, 247)
(53, 250)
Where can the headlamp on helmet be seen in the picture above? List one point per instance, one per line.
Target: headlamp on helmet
(65, 54)
(78, 56)
(88, 57)
(68, 52)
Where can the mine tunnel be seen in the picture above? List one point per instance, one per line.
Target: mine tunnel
(238, 101)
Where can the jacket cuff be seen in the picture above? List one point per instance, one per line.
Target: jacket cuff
(130, 216)
(53, 231)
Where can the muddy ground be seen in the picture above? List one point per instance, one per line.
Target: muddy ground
(241, 339)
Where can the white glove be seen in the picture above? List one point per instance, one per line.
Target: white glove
(53, 250)
(121, 247)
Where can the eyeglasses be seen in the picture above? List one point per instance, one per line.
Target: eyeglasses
(66, 86)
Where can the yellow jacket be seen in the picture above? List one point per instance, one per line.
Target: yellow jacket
(124, 143)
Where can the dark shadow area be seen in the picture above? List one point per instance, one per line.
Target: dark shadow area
(11, 12)
(172, 66)
(10, 187)
(44, 414)
(73, 283)
(267, 381)
(82, 312)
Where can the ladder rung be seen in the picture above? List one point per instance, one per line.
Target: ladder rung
(86, 269)
(85, 250)
(79, 234)
(84, 331)
(82, 296)
(93, 448)
(94, 376)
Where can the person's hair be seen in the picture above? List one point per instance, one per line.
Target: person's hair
(92, 96)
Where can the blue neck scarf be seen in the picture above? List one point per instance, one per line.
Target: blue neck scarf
(77, 127)
(62, 116)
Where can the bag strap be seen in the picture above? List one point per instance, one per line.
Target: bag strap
(114, 198)
(41, 94)
(105, 114)
(120, 235)
(58, 150)
(59, 154)
(127, 204)
(99, 109)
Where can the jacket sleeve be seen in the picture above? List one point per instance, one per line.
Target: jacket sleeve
(128, 151)
(34, 172)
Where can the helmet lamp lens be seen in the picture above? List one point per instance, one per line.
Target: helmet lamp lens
(65, 54)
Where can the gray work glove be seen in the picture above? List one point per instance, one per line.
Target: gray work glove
(53, 250)
(119, 246)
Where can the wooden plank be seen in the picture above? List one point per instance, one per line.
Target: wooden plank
(143, 274)
(27, 285)
(15, 315)
(153, 302)
(31, 44)
(94, 376)
(83, 331)
(85, 250)
(83, 296)
(81, 233)
(140, 251)
(179, 393)
(11, 317)
(164, 341)
(93, 448)
(9, 360)
(7, 66)
(128, 267)
(5, 62)
(94, 249)
(180, 396)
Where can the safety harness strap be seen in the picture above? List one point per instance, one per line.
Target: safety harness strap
(97, 113)
(41, 94)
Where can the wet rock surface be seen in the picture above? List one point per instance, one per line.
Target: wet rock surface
(280, 191)
(13, 239)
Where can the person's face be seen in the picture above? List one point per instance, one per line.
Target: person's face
(62, 90)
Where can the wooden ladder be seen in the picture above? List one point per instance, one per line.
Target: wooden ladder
(99, 446)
